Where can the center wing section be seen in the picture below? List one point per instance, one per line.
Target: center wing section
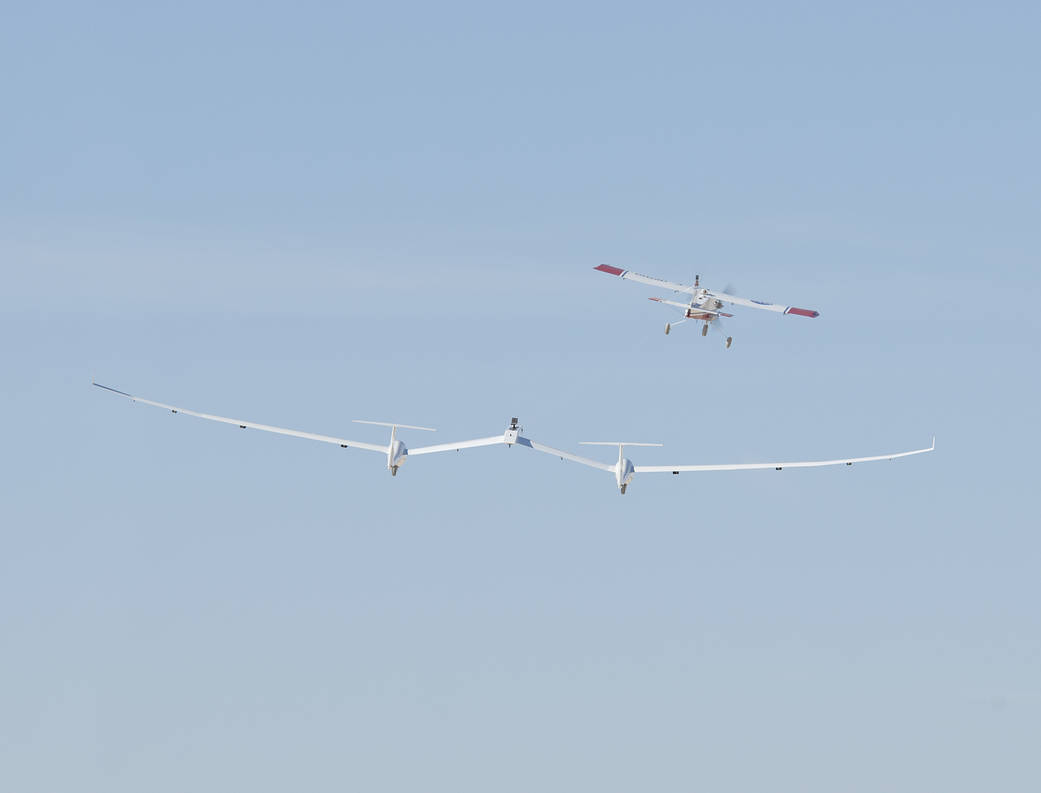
(539, 447)
(343, 442)
(454, 447)
(629, 275)
(696, 309)
(675, 469)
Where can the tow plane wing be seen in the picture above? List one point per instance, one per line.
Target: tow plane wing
(696, 290)
(762, 304)
(629, 275)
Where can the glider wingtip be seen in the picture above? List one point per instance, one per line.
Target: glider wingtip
(113, 390)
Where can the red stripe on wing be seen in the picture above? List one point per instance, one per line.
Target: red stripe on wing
(606, 268)
(802, 312)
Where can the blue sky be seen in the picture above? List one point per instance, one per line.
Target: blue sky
(305, 215)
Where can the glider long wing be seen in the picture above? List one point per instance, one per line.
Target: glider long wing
(675, 469)
(252, 425)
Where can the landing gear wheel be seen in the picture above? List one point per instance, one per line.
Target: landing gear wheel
(730, 340)
(704, 330)
(668, 327)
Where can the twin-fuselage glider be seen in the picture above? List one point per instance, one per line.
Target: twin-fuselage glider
(396, 453)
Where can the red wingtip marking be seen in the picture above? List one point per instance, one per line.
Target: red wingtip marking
(606, 268)
(655, 299)
(803, 312)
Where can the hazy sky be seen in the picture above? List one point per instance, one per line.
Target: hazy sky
(303, 215)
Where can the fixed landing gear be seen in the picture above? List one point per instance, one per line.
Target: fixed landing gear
(730, 340)
(704, 329)
(622, 488)
(668, 327)
(394, 471)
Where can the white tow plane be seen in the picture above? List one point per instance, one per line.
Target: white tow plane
(705, 304)
(396, 452)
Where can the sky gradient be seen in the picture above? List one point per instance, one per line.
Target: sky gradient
(303, 215)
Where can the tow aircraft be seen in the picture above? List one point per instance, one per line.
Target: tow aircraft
(705, 305)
